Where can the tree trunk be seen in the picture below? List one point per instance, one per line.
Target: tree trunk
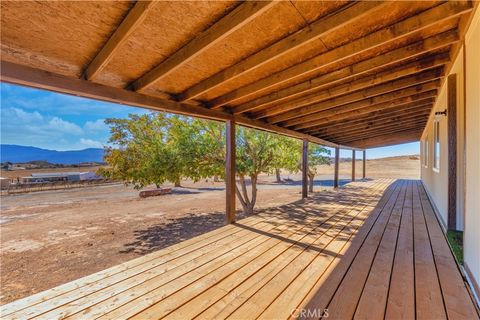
(277, 174)
(310, 182)
(242, 194)
(177, 184)
(215, 178)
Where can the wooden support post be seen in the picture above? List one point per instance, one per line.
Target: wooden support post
(230, 181)
(364, 164)
(452, 151)
(353, 165)
(337, 161)
(305, 169)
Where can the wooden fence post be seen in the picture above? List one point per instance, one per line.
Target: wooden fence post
(230, 181)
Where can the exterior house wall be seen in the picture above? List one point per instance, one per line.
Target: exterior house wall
(472, 154)
(467, 69)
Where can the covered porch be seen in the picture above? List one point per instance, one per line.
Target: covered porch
(348, 75)
(371, 249)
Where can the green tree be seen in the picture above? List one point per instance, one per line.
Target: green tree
(255, 154)
(317, 155)
(286, 156)
(158, 147)
(141, 152)
(201, 145)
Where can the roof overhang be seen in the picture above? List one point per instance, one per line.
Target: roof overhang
(342, 74)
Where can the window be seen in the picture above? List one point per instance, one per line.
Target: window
(436, 145)
(425, 152)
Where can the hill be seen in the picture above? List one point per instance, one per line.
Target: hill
(22, 154)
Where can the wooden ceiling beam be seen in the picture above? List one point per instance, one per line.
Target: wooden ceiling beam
(304, 36)
(391, 117)
(134, 18)
(401, 29)
(240, 16)
(358, 110)
(388, 140)
(378, 133)
(293, 117)
(362, 83)
(376, 115)
(314, 119)
(339, 76)
(366, 129)
(380, 120)
(41, 79)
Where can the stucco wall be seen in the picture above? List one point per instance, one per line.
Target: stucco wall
(436, 182)
(472, 201)
(468, 151)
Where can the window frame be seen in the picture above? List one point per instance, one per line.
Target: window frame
(425, 152)
(436, 146)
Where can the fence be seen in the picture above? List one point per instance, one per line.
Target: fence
(48, 186)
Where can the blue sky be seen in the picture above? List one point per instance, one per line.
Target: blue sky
(49, 120)
(54, 121)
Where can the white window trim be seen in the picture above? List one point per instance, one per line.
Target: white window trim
(425, 152)
(436, 134)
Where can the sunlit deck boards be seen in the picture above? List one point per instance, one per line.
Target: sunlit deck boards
(373, 249)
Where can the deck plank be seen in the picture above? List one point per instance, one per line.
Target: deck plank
(401, 297)
(293, 234)
(428, 295)
(292, 296)
(378, 282)
(171, 302)
(455, 294)
(158, 277)
(344, 302)
(368, 241)
(223, 308)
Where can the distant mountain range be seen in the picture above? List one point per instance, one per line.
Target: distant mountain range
(21, 154)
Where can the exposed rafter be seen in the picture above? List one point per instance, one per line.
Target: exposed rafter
(377, 133)
(389, 139)
(304, 36)
(240, 16)
(374, 117)
(393, 86)
(135, 17)
(347, 73)
(359, 110)
(385, 119)
(365, 130)
(363, 83)
(313, 119)
(395, 32)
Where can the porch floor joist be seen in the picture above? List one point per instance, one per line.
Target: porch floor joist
(340, 250)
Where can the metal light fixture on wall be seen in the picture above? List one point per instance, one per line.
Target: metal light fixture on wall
(440, 114)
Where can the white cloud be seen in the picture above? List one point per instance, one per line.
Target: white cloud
(91, 143)
(24, 115)
(60, 125)
(96, 126)
(22, 127)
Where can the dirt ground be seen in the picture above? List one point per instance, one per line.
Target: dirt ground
(52, 237)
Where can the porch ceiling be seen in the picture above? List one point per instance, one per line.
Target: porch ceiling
(357, 74)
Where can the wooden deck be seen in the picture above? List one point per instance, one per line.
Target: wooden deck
(372, 249)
